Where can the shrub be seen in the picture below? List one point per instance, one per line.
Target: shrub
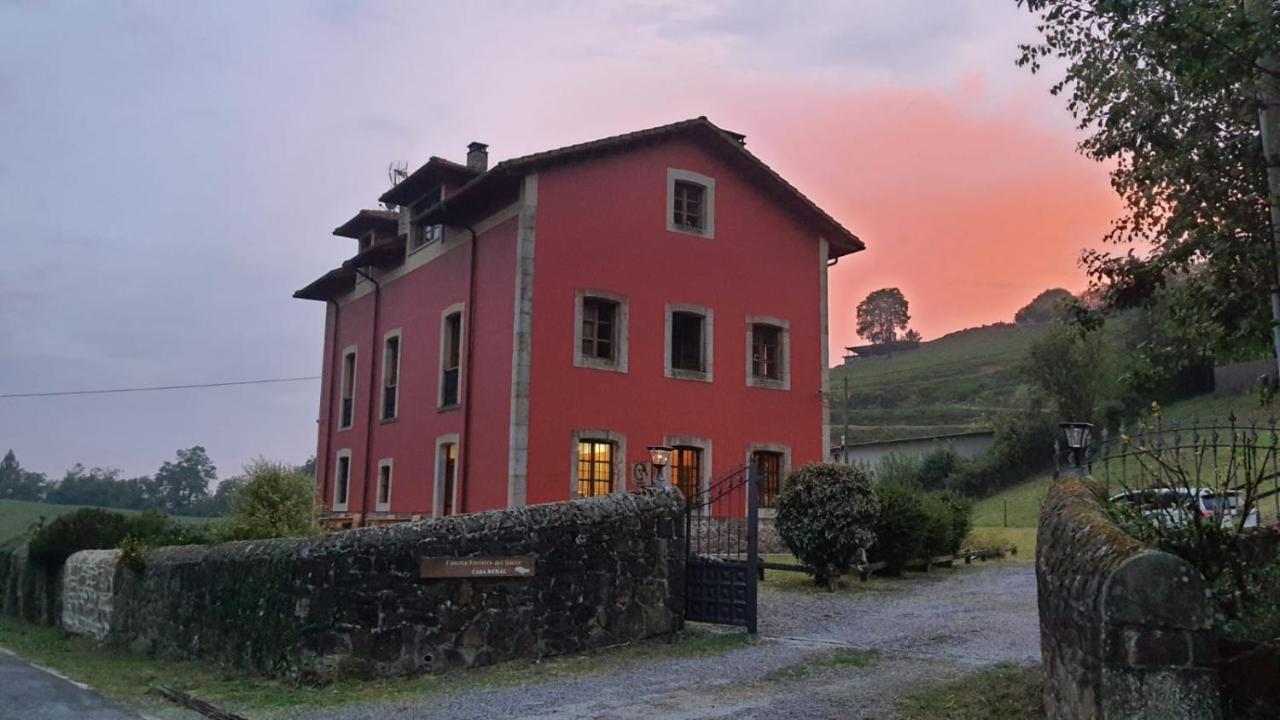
(961, 511)
(1023, 446)
(938, 531)
(899, 527)
(898, 469)
(275, 501)
(133, 554)
(84, 529)
(936, 466)
(825, 514)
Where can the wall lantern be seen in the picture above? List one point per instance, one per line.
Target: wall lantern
(1078, 436)
(659, 457)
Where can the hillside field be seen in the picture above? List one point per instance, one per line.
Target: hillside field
(17, 516)
(952, 384)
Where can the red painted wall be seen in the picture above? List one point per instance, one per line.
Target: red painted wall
(602, 224)
(413, 303)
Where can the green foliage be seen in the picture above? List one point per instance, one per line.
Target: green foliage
(87, 529)
(19, 484)
(133, 555)
(274, 501)
(898, 468)
(882, 314)
(98, 529)
(1054, 304)
(1166, 92)
(1022, 447)
(899, 527)
(825, 513)
(1072, 370)
(960, 517)
(184, 483)
(936, 467)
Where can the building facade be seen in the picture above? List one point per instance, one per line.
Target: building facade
(523, 334)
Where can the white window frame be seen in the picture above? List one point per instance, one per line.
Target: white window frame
(703, 444)
(619, 441)
(708, 343)
(708, 202)
(380, 505)
(622, 331)
(343, 454)
(437, 496)
(444, 350)
(784, 353)
(353, 352)
(785, 451)
(398, 334)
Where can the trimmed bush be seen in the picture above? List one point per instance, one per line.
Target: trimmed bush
(899, 527)
(937, 526)
(961, 510)
(825, 515)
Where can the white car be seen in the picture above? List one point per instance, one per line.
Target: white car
(1173, 506)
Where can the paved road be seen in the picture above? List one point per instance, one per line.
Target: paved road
(929, 629)
(29, 693)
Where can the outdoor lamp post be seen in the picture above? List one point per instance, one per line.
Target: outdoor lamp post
(659, 457)
(1078, 436)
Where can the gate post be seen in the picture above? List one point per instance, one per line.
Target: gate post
(753, 545)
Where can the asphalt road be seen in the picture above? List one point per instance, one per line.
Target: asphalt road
(29, 693)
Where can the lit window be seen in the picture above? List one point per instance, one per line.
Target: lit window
(451, 360)
(448, 460)
(686, 469)
(686, 342)
(342, 480)
(599, 328)
(595, 467)
(383, 503)
(769, 466)
(689, 203)
(390, 376)
(347, 411)
(766, 352)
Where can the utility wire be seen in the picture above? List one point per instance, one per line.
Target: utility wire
(157, 387)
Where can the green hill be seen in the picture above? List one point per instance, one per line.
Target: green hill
(952, 384)
(17, 516)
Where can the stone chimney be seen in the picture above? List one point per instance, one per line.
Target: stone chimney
(478, 156)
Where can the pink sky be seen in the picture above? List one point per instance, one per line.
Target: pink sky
(175, 173)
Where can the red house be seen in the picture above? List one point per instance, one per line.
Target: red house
(521, 334)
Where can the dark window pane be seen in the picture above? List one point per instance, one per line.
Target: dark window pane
(686, 341)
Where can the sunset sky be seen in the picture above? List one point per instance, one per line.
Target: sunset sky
(170, 174)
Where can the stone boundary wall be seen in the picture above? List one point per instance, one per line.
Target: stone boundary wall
(608, 570)
(27, 591)
(1125, 630)
(88, 592)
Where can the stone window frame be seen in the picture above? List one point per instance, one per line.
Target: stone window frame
(378, 504)
(708, 202)
(353, 352)
(337, 465)
(784, 353)
(619, 441)
(437, 495)
(398, 334)
(784, 471)
(708, 343)
(620, 363)
(702, 443)
(457, 308)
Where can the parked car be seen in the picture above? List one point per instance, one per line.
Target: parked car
(1174, 506)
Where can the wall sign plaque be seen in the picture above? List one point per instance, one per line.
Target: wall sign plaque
(477, 567)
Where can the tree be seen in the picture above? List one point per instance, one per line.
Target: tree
(1166, 92)
(912, 336)
(825, 514)
(882, 314)
(180, 485)
(274, 500)
(1054, 304)
(19, 484)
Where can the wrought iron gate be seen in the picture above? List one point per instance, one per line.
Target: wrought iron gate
(722, 571)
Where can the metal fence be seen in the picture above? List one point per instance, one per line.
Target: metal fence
(1212, 453)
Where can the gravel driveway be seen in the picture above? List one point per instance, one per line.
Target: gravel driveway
(928, 629)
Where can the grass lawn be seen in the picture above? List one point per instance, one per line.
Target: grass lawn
(128, 678)
(844, 658)
(1022, 501)
(1003, 692)
(17, 516)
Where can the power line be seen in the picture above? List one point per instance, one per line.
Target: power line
(157, 387)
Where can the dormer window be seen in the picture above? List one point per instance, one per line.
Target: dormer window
(423, 235)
